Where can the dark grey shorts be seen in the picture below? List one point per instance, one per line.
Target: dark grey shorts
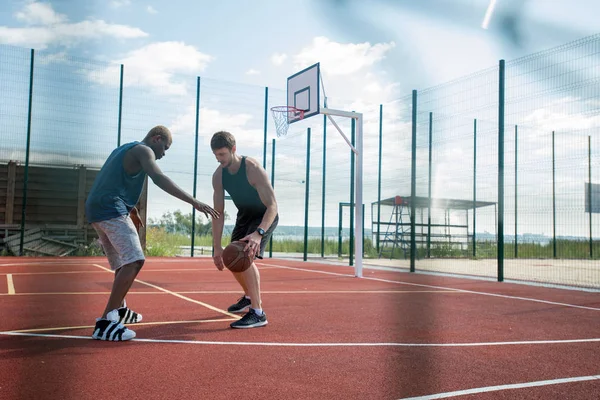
(242, 230)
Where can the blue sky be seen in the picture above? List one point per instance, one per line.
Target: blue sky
(263, 42)
(371, 52)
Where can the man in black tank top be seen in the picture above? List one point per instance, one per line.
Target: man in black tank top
(247, 184)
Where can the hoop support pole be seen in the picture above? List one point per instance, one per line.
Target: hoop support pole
(358, 207)
(329, 112)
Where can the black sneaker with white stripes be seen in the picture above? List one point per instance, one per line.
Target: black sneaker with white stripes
(111, 331)
(250, 320)
(242, 305)
(127, 316)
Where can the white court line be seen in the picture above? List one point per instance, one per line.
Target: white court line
(42, 263)
(179, 295)
(441, 287)
(283, 344)
(503, 387)
(10, 284)
(237, 292)
(154, 323)
(101, 272)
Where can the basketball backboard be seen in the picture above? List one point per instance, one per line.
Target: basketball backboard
(303, 92)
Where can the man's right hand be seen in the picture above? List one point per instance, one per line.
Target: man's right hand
(206, 209)
(217, 257)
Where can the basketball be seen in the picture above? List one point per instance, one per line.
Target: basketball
(234, 257)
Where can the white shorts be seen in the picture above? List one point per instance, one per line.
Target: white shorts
(120, 241)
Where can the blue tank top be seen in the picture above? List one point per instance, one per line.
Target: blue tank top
(114, 192)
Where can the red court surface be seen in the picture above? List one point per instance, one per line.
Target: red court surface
(389, 335)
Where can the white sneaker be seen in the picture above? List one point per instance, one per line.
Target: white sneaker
(110, 330)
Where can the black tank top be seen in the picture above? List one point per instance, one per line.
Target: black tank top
(244, 196)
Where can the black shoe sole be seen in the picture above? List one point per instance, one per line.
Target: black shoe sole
(241, 310)
(257, 325)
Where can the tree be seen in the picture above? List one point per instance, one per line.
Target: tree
(177, 222)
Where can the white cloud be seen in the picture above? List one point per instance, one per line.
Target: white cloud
(50, 28)
(554, 118)
(350, 70)
(151, 10)
(339, 58)
(120, 3)
(278, 58)
(40, 14)
(252, 72)
(156, 66)
(212, 120)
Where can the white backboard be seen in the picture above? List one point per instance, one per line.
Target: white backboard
(303, 92)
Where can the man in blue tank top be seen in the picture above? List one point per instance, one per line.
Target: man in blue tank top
(110, 209)
(249, 188)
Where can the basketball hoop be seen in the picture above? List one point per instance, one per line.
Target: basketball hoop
(283, 115)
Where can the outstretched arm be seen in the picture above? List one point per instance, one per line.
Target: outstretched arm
(147, 160)
(218, 222)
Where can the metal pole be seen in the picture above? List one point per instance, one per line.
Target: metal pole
(590, 191)
(413, 183)
(120, 107)
(323, 187)
(429, 189)
(474, 188)
(516, 191)
(265, 128)
(273, 185)
(501, 171)
(359, 206)
(379, 177)
(26, 173)
(340, 231)
(352, 205)
(306, 193)
(553, 198)
(195, 164)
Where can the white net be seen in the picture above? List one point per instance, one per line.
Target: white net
(282, 115)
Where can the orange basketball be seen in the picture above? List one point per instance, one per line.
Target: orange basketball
(234, 257)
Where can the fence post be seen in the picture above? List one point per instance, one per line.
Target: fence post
(120, 107)
(553, 198)
(429, 187)
(379, 177)
(340, 231)
(26, 175)
(195, 164)
(306, 194)
(501, 94)
(413, 183)
(352, 205)
(590, 192)
(474, 188)
(265, 127)
(273, 185)
(516, 196)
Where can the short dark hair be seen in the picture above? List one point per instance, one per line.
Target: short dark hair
(222, 139)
